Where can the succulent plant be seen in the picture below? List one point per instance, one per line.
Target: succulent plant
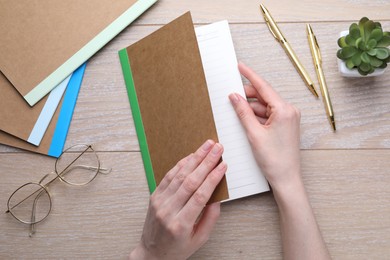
(365, 47)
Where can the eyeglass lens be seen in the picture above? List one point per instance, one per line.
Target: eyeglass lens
(78, 165)
(30, 203)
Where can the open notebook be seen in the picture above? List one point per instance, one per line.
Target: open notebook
(178, 83)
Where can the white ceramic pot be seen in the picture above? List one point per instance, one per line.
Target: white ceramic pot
(354, 73)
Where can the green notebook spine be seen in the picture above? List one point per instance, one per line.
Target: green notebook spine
(139, 127)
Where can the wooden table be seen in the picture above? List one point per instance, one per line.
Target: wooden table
(346, 173)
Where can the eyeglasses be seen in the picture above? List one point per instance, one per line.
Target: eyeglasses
(31, 203)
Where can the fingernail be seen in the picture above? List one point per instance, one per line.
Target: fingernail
(216, 149)
(207, 145)
(234, 98)
(222, 166)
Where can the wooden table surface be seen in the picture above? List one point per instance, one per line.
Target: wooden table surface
(346, 173)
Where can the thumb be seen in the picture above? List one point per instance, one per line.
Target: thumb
(244, 113)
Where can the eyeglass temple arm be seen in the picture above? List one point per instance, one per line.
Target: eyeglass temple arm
(101, 170)
(32, 225)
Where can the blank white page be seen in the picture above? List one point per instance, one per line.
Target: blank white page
(219, 61)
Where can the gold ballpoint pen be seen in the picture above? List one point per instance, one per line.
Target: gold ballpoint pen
(287, 48)
(317, 60)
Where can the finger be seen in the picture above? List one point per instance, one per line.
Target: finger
(244, 113)
(262, 120)
(266, 92)
(207, 222)
(198, 200)
(251, 92)
(259, 109)
(196, 178)
(171, 174)
(193, 161)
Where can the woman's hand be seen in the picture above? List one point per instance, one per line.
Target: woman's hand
(272, 127)
(178, 221)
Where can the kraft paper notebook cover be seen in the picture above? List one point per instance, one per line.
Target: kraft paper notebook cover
(48, 39)
(19, 119)
(54, 139)
(169, 59)
(178, 85)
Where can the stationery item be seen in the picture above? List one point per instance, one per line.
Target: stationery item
(19, 119)
(219, 62)
(274, 29)
(55, 136)
(317, 60)
(47, 40)
(182, 99)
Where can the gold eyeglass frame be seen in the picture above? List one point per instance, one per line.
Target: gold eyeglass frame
(43, 189)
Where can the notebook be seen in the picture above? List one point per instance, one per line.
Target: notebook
(178, 84)
(53, 141)
(19, 119)
(47, 40)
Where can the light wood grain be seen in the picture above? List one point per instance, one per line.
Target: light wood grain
(349, 195)
(346, 173)
(283, 10)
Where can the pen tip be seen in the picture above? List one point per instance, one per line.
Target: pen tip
(262, 8)
(308, 28)
(313, 90)
(332, 122)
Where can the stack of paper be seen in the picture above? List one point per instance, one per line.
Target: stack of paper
(42, 48)
(43, 127)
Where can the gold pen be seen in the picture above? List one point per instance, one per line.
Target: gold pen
(287, 48)
(317, 60)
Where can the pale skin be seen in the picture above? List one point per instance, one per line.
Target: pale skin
(178, 221)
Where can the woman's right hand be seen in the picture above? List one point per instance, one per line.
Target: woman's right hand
(272, 127)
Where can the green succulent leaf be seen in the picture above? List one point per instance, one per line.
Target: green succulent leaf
(378, 25)
(369, 26)
(362, 72)
(382, 53)
(377, 34)
(338, 54)
(383, 66)
(361, 25)
(371, 44)
(354, 31)
(386, 33)
(349, 64)
(348, 52)
(384, 42)
(356, 59)
(341, 42)
(350, 40)
(375, 62)
(361, 45)
(358, 41)
(365, 57)
(371, 52)
(366, 67)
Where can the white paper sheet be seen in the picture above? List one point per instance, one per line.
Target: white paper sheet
(219, 60)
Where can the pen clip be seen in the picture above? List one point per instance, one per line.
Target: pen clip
(270, 28)
(317, 49)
